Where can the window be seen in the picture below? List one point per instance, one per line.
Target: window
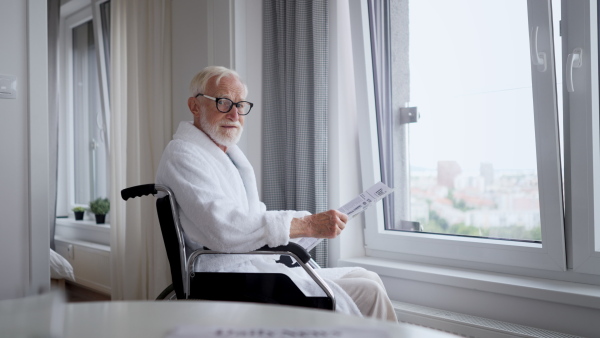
(471, 166)
(465, 118)
(84, 140)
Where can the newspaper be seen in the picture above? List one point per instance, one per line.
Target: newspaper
(194, 331)
(365, 200)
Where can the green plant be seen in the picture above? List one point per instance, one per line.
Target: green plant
(78, 209)
(100, 206)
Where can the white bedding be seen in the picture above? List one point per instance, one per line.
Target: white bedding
(60, 268)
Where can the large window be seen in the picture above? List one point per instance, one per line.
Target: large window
(84, 137)
(472, 166)
(468, 111)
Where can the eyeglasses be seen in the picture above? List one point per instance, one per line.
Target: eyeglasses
(224, 105)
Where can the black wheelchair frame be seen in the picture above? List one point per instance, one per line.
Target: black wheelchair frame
(272, 288)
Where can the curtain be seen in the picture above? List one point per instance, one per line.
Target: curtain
(295, 110)
(379, 27)
(140, 129)
(53, 95)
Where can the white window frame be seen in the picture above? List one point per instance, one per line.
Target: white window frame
(548, 259)
(66, 185)
(582, 139)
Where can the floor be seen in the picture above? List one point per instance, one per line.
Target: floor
(77, 293)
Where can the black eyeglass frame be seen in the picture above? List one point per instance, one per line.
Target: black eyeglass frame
(216, 99)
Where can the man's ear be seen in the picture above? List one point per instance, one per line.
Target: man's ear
(194, 106)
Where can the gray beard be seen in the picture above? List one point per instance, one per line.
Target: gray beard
(220, 137)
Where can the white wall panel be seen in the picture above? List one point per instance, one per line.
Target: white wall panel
(14, 242)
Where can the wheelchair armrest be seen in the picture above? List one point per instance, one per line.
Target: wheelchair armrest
(294, 248)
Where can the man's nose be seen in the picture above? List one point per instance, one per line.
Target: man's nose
(233, 114)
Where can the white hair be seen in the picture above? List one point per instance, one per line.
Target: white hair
(198, 83)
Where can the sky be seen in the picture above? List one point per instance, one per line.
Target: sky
(474, 94)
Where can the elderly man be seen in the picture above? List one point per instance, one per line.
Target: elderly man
(219, 205)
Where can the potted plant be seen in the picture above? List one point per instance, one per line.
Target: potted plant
(78, 213)
(100, 207)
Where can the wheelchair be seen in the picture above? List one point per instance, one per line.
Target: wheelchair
(270, 288)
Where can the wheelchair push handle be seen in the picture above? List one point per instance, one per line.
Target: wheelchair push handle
(138, 191)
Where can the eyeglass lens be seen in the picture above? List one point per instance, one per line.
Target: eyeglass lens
(224, 106)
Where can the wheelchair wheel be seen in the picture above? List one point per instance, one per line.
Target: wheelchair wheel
(167, 294)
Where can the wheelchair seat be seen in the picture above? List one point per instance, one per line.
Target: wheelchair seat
(272, 288)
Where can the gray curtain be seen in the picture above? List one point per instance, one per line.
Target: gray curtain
(379, 26)
(295, 107)
(53, 94)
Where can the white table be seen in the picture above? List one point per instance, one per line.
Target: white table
(157, 319)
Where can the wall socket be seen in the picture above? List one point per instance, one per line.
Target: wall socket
(8, 87)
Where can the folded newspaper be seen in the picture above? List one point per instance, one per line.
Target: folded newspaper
(365, 200)
(196, 331)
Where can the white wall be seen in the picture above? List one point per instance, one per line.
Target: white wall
(24, 244)
(14, 244)
(192, 50)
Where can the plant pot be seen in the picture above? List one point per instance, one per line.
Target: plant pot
(100, 219)
(79, 215)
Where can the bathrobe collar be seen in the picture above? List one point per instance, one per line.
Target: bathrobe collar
(235, 163)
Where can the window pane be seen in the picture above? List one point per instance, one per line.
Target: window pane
(472, 166)
(88, 143)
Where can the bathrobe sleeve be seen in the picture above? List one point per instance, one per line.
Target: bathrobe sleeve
(214, 210)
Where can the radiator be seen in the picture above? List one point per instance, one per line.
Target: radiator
(467, 325)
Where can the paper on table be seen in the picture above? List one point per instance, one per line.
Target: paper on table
(195, 331)
(363, 201)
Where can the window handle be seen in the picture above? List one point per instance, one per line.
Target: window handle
(573, 61)
(537, 58)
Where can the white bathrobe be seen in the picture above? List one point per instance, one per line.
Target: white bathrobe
(219, 208)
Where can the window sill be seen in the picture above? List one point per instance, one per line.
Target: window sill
(85, 231)
(547, 290)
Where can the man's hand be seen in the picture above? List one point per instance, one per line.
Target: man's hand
(328, 224)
